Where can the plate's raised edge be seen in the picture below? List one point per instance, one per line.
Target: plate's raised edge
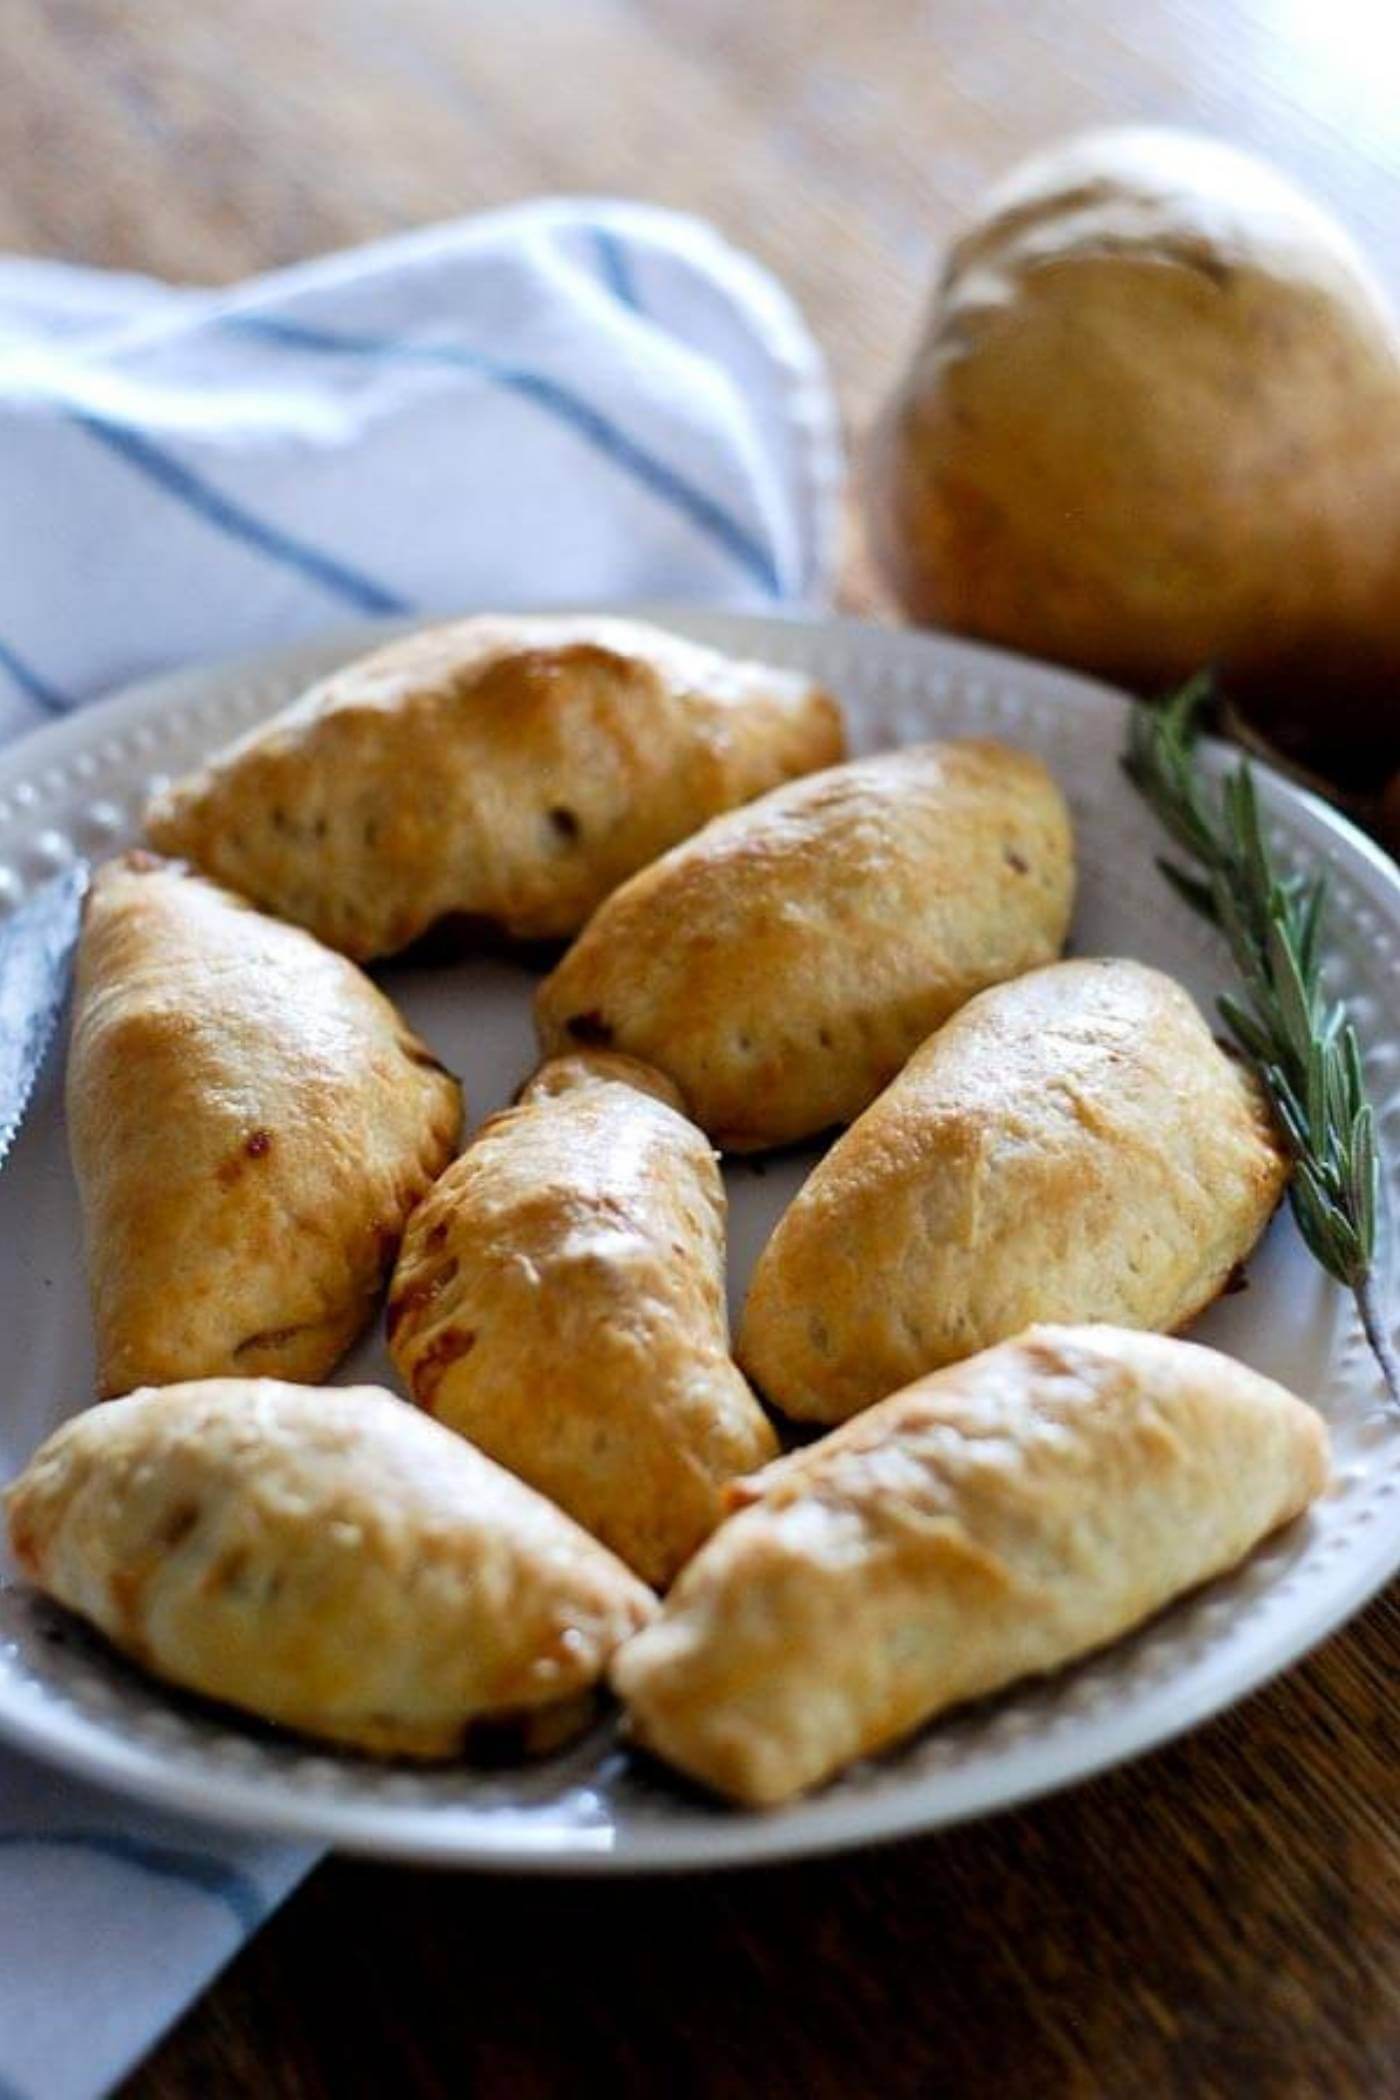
(807, 1830)
(82, 1746)
(52, 742)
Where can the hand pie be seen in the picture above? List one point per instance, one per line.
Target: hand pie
(993, 1521)
(329, 1560)
(1072, 1146)
(513, 770)
(251, 1123)
(782, 965)
(560, 1300)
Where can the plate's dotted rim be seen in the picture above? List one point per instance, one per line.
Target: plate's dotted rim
(87, 802)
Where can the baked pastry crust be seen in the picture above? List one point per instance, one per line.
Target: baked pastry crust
(251, 1122)
(1071, 1146)
(559, 1300)
(329, 1560)
(513, 770)
(783, 964)
(995, 1520)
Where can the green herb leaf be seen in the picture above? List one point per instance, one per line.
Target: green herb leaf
(1303, 1049)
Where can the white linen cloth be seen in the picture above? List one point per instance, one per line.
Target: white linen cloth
(563, 401)
(571, 401)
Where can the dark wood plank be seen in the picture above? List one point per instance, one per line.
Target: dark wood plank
(1218, 1920)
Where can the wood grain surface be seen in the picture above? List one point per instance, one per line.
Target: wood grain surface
(1223, 1919)
(1217, 1922)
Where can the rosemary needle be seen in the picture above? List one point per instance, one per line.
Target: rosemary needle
(1299, 1042)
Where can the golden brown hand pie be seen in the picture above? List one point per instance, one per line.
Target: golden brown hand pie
(514, 770)
(1072, 1146)
(995, 1520)
(251, 1123)
(783, 964)
(560, 1300)
(329, 1560)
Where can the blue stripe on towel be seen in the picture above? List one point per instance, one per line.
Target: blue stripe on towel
(238, 1892)
(589, 423)
(209, 503)
(616, 266)
(34, 687)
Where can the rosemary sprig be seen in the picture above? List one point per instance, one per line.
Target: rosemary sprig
(1299, 1042)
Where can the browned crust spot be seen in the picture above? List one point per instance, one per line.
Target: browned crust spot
(177, 1525)
(409, 1302)
(442, 1352)
(590, 1029)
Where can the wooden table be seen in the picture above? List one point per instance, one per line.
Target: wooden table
(1224, 1918)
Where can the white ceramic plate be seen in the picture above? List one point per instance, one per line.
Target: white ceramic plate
(78, 787)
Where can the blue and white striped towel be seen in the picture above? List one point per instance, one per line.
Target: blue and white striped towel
(566, 401)
(562, 402)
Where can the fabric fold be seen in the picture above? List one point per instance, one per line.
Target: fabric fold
(559, 402)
